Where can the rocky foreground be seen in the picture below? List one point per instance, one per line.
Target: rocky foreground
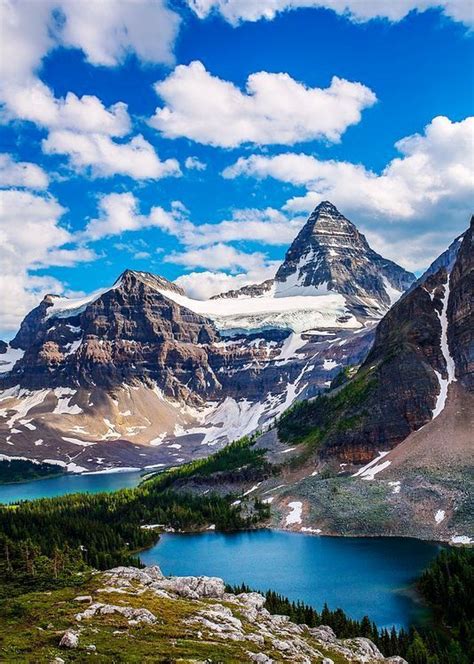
(132, 615)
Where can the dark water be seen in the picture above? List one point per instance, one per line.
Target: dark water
(361, 575)
(59, 486)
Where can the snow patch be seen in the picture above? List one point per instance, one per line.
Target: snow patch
(155, 442)
(450, 368)
(306, 529)
(63, 407)
(295, 514)
(289, 348)
(77, 441)
(371, 469)
(462, 539)
(246, 493)
(440, 516)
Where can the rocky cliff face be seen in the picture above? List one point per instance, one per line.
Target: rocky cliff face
(133, 365)
(460, 307)
(330, 254)
(131, 331)
(422, 345)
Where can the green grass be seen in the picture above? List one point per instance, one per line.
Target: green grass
(311, 422)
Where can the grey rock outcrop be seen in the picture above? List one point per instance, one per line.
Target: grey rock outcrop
(242, 619)
(253, 290)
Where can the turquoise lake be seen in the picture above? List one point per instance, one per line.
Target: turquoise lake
(64, 484)
(360, 575)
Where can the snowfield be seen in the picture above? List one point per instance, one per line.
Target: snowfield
(297, 313)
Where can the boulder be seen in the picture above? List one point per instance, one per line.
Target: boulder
(87, 599)
(192, 587)
(363, 649)
(70, 639)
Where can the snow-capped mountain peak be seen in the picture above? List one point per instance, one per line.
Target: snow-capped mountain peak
(331, 254)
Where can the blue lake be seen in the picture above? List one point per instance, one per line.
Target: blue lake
(360, 575)
(59, 486)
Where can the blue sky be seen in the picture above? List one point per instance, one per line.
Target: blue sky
(212, 188)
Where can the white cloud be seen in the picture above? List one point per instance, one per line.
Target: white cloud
(118, 213)
(20, 292)
(268, 226)
(236, 11)
(273, 109)
(35, 102)
(193, 163)
(31, 237)
(21, 174)
(106, 32)
(217, 257)
(105, 157)
(414, 251)
(426, 193)
(203, 285)
(435, 167)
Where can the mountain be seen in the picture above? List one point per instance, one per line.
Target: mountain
(389, 448)
(164, 376)
(330, 254)
(422, 345)
(332, 261)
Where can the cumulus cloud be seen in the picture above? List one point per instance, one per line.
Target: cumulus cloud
(195, 164)
(109, 30)
(236, 11)
(118, 213)
(31, 237)
(34, 101)
(217, 257)
(105, 157)
(430, 184)
(273, 109)
(21, 174)
(268, 226)
(435, 167)
(106, 32)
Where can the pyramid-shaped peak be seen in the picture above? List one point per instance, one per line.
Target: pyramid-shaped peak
(331, 254)
(326, 215)
(326, 208)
